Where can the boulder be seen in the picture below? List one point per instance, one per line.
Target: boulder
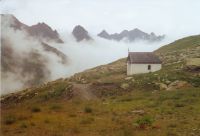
(178, 85)
(168, 82)
(139, 112)
(162, 86)
(124, 86)
(128, 78)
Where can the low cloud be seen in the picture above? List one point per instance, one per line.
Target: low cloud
(26, 63)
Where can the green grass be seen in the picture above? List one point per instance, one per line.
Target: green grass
(144, 122)
(185, 43)
(165, 113)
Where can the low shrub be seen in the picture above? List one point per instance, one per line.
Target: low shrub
(144, 121)
(55, 107)
(88, 109)
(126, 99)
(179, 105)
(35, 109)
(10, 119)
(46, 121)
(23, 125)
(88, 120)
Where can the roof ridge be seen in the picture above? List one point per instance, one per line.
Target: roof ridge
(143, 58)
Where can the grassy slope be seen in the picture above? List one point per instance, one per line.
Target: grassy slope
(50, 110)
(180, 50)
(185, 43)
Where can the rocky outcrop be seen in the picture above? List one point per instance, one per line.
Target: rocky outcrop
(80, 34)
(40, 31)
(61, 55)
(178, 85)
(162, 86)
(131, 36)
(174, 85)
(124, 86)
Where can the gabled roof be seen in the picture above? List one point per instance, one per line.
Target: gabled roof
(143, 58)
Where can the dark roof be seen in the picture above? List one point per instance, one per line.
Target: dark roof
(143, 58)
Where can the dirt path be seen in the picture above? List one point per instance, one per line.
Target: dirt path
(83, 91)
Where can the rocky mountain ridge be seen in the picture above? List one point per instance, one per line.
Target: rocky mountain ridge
(40, 31)
(131, 36)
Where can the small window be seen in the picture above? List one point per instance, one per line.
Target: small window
(149, 67)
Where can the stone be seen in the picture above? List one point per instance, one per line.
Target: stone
(167, 82)
(128, 78)
(154, 91)
(162, 86)
(140, 112)
(124, 86)
(178, 85)
(133, 80)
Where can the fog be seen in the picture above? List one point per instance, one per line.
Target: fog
(24, 62)
(174, 18)
(28, 64)
(88, 54)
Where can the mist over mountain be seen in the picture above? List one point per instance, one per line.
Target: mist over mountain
(35, 54)
(26, 58)
(44, 31)
(41, 31)
(80, 33)
(131, 36)
(65, 68)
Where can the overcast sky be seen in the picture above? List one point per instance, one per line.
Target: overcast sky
(171, 17)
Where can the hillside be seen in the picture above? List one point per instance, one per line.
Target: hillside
(104, 101)
(179, 50)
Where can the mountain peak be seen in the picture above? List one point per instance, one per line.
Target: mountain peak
(80, 33)
(104, 34)
(136, 29)
(12, 21)
(41, 30)
(132, 35)
(45, 31)
(124, 32)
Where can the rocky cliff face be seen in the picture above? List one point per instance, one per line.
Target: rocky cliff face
(80, 33)
(131, 36)
(42, 30)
